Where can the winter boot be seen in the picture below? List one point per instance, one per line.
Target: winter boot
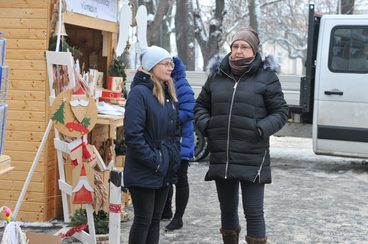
(230, 236)
(176, 223)
(253, 240)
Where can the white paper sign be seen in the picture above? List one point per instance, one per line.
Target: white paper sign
(101, 9)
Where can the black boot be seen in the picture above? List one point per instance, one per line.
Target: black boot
(176, 223)
(230, 236)
(167, 213)
(253, 240)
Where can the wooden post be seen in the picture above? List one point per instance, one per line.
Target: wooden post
(115, 206)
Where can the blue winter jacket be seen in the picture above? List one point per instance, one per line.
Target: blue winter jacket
(186, 100)
(151, 132)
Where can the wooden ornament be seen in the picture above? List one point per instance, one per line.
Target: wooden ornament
(83, 184)
(76, 122)
(79, 104)
(83, 153)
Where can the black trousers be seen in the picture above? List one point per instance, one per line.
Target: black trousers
(252, 197)
(181, 190)
(148, 205)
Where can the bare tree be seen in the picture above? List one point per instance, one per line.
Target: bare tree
(209, 40)
(157, 12)
(286, 23)
(184, 30)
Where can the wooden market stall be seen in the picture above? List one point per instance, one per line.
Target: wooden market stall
(26, 26)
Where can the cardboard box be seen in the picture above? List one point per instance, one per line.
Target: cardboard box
(118, 101)
(37, 238)
(111, 94)
(115, 84)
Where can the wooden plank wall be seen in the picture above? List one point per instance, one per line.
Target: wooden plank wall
(26, 27)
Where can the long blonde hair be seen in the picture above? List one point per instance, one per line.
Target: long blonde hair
(158, 90)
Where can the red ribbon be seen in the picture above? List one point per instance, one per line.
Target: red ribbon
(115, 208)
(78, 228)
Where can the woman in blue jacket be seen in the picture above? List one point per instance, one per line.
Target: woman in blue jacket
(186, 102)
(151, 131)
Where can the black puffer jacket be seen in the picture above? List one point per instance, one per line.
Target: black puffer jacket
(229, 112)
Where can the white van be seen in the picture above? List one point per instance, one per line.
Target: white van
(340, 113)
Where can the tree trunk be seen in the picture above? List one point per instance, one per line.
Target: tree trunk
(347, 6)
(154, 28)
(210, 45)
(253, 22)
(184, 31)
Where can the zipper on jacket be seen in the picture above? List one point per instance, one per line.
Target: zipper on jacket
(228, 128)
(159, 163)
(260, 168)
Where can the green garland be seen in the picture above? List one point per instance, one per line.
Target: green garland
(101, 219)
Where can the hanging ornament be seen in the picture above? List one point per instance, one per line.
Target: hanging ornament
(83, 153)
(74, 113)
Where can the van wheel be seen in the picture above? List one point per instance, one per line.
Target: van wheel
(201, 146)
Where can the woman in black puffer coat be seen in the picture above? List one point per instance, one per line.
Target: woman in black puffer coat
(240, 106)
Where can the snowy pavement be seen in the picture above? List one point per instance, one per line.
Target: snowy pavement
(313, 199)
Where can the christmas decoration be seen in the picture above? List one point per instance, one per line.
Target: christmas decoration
(59, 114)
(79, 104)
(100, 193)
(8, 213)
(73, 230)
(74, 113)
(79, 221)
(12, 232)
(83, 152)
(83, 190)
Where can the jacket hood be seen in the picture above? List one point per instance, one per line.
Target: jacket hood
(142, 77)
(179, 70)
(220, 60)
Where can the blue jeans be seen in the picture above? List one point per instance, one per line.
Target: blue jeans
(252, 196)
(148, 205)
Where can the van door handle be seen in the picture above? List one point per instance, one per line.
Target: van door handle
(334, 92)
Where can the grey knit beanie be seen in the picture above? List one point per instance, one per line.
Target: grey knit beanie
(150, 56)
(249, 35)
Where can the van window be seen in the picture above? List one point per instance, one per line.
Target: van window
(349, 49)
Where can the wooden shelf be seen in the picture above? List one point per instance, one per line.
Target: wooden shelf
(113, 120)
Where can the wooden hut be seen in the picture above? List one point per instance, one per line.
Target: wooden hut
(26, 25)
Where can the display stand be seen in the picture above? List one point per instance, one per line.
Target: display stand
(63, 147)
